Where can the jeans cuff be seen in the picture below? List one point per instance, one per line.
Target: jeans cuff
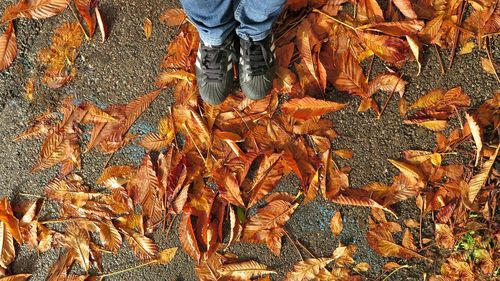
(257, 37)
(211, 41)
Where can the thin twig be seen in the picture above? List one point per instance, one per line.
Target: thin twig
(420, 225)
(195, 145)
(459, 118)
(128, 269)
(390, 96)
(461, 10)
(32, 195)
(170, 226)
(439, 60)
(295, 246)
(370, 69)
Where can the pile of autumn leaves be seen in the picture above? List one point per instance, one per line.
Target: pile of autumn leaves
(210, 166)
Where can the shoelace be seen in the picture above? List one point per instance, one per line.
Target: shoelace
(212, 60)
(257, 57)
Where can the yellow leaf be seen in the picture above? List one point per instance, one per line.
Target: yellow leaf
(467, 48)
(148, 28)
(362, 267)
(307, 269)
(434, 125)
(428, 99)
(166, 255)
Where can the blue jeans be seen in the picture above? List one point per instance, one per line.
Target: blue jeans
(216, 19)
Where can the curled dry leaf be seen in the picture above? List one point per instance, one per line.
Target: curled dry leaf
(8, 47)
(16, 277)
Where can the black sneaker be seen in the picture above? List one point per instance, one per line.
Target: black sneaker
(256, 67)
(214, 70)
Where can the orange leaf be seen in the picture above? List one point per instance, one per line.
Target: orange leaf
(406, 8)
(35, 9)
(85, 9)
(348, 75)
(308, 107)
(173, 17)
(336, 224)
(8, 47)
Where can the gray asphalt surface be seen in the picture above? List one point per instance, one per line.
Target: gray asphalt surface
(125, 67)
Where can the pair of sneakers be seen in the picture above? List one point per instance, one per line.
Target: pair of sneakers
(214, 68)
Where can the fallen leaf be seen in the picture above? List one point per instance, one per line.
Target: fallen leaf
(148, 28)
(166, 255)
(308, 107)
(8, 47)
(34, 9)
(478, 180)
(173, 17)
(336, 224)
(307, 269)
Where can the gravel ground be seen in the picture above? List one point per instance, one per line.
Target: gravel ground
(125, 66)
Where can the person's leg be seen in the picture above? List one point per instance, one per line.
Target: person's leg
(256, 18)
(257, 51)
(214, 19)
(215, 22)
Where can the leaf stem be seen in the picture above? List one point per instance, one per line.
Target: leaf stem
(390, 96)
(128, 269)
(392, 272)
(32, 195)
(87, 37)
(334, 19)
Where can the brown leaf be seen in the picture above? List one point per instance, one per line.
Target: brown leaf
(408, 240)
(348, 75)
(7, 251)
(173, 17)
(488, 66)
(336, 224)
(188, 238)
(35, 9)
(388, 83)
(143, 247)
(359, 201)
(110, 236)
(380, 239)
(17, 277)
(78, 240)
(229, 186)
(266, 226)
(395, 28)
(148, 28)
(265, 180)
(415, 47)
(345, 153)
(307, 269)
(478, 180)
(8, 47)
(308, 107)
(86, 10)
(406, 8)
(390, 49)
